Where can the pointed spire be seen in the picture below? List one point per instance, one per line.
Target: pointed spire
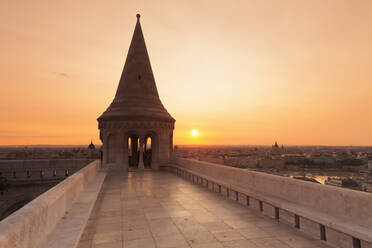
(137, 79)
(137, 95)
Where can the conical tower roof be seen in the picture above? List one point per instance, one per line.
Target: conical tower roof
(137, 97)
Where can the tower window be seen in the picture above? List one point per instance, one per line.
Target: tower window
(139, 76)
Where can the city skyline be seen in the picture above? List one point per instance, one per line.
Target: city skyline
(296, 72)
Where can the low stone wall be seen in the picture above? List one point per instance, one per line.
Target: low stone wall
(333, 208)
(40, 168)
(31, 224)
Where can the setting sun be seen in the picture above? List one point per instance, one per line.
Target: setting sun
(195, 133)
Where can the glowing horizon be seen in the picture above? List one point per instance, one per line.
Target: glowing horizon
(251, 72)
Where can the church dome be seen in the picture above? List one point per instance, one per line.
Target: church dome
(91, 146)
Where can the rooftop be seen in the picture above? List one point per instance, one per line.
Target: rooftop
(159, 209)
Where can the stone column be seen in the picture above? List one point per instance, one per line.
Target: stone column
(134, 144)
(105, 150)
(125, 153)
(154, 151)
(122, 152)
(141, 165)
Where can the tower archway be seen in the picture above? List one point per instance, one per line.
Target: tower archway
(133, 150)
(147, 155)
(153, 153)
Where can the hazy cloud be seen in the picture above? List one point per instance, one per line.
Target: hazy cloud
(62, 74)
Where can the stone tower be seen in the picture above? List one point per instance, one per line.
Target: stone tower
(136, 130)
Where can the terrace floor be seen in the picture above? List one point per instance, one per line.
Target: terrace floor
(159, 209)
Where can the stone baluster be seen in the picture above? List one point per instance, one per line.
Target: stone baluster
(141, 165)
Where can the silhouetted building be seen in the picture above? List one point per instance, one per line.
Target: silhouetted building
(276, 146)
(91, 146)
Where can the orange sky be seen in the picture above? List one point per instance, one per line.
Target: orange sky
(241, 72)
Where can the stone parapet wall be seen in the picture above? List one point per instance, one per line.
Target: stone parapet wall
(345, 203)
(31, 224)
(40, 168)
(328, 212)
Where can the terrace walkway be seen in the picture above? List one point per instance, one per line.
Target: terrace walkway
(159, 209)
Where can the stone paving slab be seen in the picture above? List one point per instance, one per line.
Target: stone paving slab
(159, 209)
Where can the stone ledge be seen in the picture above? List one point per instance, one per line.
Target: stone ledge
(68, 231)
(29, 226)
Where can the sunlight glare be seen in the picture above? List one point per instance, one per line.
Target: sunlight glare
(195, 133)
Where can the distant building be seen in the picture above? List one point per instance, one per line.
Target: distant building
(271, 163)
(276, 146)
(277, 151)
(91, 146)
(323, 159)
(293, 158)
(369, 165)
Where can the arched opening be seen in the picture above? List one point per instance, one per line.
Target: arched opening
(151, 149)
(147, 152)
(141, 151)
(133, 151)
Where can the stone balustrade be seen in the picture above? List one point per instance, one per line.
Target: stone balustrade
(16, 170)
(341, 217)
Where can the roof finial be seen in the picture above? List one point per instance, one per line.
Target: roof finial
(138, 16)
